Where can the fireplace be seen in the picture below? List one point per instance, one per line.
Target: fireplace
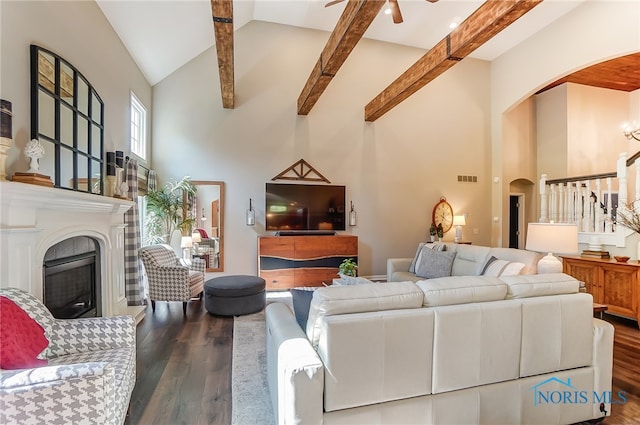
(81, 226)
(71, 278)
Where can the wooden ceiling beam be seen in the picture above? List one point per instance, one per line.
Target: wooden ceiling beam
(489, 19)
(354, 21)
(222, 12)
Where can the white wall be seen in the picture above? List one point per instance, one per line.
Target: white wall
(592, 32)
(395, 169)
(78, 32)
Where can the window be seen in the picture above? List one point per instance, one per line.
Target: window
(138, 128)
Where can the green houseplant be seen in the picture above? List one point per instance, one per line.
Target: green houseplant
(348, 267)
(166, 211)
(432, 232)
(440, 231)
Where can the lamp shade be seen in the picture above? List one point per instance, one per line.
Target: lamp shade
(459, 220)
(196, 238)
(186, 242)
(556, 238)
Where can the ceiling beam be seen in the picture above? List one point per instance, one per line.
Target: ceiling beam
(489, 19)
(354, 21)
(222, 12)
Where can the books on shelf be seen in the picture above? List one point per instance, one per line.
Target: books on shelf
(595, 254)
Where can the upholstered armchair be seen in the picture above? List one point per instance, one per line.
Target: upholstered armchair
(89, 377)
(171, 279)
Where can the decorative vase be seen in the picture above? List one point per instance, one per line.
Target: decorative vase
(638, 251)
(433, 238)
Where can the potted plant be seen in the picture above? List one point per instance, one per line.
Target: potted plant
(432, 232)
(440, 232)
(348, 267)
(165, 212)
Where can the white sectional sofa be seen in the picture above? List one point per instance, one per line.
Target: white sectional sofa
(521, 349)
(469, 260)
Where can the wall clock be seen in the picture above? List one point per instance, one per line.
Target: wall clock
(443, 214)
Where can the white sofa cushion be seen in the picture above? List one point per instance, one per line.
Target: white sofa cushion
(461, 290)
(539, 285)
(470, 259)
(359, 299)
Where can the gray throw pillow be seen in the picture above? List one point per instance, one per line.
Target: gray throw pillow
(434, 264)
(412, 267)
(428, 245)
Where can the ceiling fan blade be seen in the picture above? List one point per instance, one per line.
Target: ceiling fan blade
(395, 11)
(331, 3)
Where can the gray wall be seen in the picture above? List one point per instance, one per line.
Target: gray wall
(395, 169)
(78, 32)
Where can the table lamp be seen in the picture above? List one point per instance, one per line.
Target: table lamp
(552, 238)
(196, 239)
(186, 243)
(459, 221)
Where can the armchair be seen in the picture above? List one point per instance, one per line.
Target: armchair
(171, 279)
(90, 374)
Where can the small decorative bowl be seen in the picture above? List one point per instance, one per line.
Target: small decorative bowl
(621, 258)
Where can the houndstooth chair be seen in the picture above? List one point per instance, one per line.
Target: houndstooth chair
(90, 375)
(171, 279)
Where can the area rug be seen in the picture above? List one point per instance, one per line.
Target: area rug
(251, 402)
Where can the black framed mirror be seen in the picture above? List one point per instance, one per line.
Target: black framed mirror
(67, 117)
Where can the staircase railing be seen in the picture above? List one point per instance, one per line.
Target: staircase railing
(593, 207)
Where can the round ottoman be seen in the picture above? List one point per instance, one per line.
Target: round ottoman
(234, 295)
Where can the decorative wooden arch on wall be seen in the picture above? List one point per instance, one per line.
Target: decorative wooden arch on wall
(302, 171)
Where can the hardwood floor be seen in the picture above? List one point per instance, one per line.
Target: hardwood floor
(184, 368)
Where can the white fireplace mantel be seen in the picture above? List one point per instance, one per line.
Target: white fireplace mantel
(33, 218)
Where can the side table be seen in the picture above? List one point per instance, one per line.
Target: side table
(599, 309)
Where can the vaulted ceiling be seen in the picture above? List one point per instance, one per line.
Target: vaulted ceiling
(163, 35)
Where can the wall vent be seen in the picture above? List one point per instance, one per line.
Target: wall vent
(468, 179)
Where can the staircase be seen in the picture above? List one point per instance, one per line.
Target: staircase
(592, 202)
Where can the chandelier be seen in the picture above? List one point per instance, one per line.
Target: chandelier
(632, 131)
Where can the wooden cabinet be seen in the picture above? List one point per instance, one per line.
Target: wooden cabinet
(289, 261)
(610, 282)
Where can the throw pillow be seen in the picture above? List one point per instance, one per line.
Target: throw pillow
(301, 299)
(428, 245)
(497, 268)
(434, 263)
(22, 337)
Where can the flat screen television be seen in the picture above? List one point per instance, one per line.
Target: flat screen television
(304, 207)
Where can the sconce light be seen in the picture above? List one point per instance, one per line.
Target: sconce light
(204, 217)
(459, 221)
(251, 215)
(632, 131)
(352, 216)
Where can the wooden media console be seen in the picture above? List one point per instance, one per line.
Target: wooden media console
(290, 261)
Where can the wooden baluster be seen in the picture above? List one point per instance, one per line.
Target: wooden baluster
(544, 217)
(571, 198)
(587, 206)
(599, 220)
(561, 196)
(553, 208)
(622, 179)
(609, 219)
